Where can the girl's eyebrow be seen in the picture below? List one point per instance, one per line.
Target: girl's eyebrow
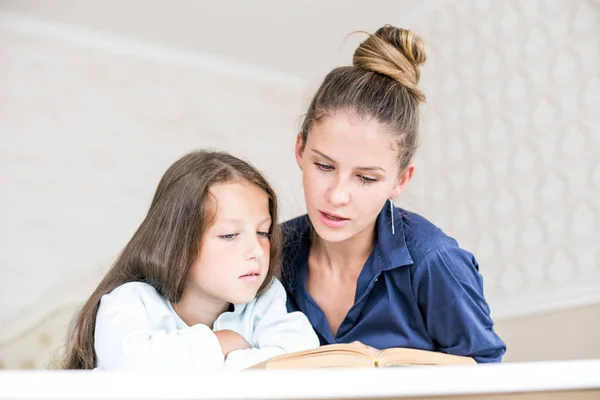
(369, 168)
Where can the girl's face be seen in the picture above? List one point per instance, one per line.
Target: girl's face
(235, 250)
(349, 170)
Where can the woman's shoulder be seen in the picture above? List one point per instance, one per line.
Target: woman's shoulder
(431, 249)
(295, 229)
(295, 242)
(422, 236)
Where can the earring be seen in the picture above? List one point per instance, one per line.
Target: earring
(392, 214)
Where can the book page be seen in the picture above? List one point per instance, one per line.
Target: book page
(328, 356)
(405, 356)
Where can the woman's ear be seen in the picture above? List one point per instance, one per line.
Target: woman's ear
(403, 180)
(299, 150)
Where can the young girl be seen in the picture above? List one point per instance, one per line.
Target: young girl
(195, 287)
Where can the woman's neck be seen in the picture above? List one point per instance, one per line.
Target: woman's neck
(194, 308)
(344, 257)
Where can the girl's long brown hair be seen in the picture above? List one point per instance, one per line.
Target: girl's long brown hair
(163, 248)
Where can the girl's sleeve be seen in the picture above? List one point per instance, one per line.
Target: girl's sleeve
(449, 290)
(276, 331)
(127, 336)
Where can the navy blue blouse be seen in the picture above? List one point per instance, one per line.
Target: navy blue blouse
(418, 289)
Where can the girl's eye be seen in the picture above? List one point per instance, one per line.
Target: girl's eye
(264, 234)
(323, 167)
(229, 236)
(366, 179)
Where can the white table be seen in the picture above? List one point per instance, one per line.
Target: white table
(547, 380)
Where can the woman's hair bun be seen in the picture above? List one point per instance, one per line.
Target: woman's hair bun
(394, 52)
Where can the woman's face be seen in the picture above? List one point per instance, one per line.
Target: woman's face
(349, 170)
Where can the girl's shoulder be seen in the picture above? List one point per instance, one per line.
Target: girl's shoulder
(134, 288)
(273, 295)
(133, 292)
(275, 290)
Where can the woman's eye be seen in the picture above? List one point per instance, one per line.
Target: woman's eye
(366, 179)
(229, 236)
(264, 234)
(323, 167)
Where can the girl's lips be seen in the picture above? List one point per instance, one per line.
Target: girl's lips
(251, 276)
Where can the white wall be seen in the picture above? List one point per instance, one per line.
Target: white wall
(89, 125)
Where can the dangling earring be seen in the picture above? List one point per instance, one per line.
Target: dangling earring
(392, 214)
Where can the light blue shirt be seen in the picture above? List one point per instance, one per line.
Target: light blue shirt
(137, 328)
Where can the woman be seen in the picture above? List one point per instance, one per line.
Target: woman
(357, 266)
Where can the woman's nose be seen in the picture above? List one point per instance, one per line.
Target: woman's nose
(339, 194)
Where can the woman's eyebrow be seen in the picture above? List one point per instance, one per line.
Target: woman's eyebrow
(369, 168)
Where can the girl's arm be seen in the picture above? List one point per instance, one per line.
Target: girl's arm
(231, 341)
(449, 291)
(276, 331)
(129, 335)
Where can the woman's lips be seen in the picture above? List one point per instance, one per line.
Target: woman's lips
(333, 220)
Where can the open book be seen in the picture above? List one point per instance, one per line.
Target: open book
(359, 356)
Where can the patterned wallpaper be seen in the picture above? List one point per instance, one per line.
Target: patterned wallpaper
(509, 160)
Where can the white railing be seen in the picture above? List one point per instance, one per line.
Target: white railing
(565, 379)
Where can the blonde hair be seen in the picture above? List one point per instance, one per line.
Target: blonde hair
(381, 85)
